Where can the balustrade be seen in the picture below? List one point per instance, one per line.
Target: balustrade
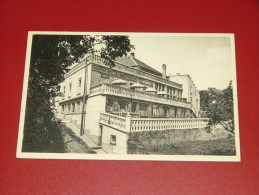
(124, 114)
(129, 93)
(113, 121)
(152, 124)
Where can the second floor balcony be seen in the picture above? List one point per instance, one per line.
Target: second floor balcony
(107, 89)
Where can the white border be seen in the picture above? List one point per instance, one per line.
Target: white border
(20, 154)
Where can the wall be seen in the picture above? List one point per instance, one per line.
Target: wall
(107, 76)
(190, 92)
(121, 141)
(156, 138)
(74, 79)
(101, 74)
(94, 106)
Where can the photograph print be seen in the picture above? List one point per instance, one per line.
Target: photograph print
(129, 96)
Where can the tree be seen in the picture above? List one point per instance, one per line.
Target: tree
(218, 106)
(51, 56)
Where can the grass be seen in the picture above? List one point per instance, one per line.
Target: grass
(217, 147)
(75, 138)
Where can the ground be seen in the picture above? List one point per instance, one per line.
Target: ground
(224, 146)
(72, 143)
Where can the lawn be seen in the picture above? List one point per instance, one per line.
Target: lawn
(224, 146)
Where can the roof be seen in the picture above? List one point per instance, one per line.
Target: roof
(133, 62)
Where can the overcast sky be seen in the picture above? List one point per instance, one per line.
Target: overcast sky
(206, 59)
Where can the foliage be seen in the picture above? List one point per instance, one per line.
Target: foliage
(224, 146)
(218, 106)
(51, 56)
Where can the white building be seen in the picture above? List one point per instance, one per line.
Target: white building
(145, 100)
(190, 92)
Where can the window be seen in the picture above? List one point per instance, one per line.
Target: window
(78, 106)
(79, 86)
(165, 111)
(73, 107)
(70, 89)
(68, 108)
(110, 102)
(63, 109)
(109, 105)
(142, 106)
(122, 104)
(113, 140)
(155, 110)
(134, 107)
(64, 91)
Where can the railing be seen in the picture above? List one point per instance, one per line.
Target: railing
(129, 124)
(128, 93)
(124, 114)
(167, 124)
(113, 121)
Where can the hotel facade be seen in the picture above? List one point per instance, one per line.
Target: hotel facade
(126, 98)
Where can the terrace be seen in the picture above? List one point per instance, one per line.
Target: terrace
(107, 89)
(130, 124)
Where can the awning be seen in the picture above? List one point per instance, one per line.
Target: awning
(161, 93)
(137, 85)
(150, 89)
(119, 82)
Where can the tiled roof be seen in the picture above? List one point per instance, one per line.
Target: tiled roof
(127, 60)
(145, 66)
(132, 61)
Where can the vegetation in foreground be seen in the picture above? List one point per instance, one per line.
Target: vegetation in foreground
(224, 146)
(45, 138)
(51, 56)
(59, 139)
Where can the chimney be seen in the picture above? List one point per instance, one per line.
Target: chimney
(164, 71)
(132, 54)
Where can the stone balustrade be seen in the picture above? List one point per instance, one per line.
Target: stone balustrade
(113, 121)
(167, 124)
(128, 124)
(124, 114)
(139, 95)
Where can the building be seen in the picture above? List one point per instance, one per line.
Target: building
(131, 96)
(190, 92)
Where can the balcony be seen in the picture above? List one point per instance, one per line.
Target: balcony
(106, 89)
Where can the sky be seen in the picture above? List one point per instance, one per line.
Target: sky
(207, 59)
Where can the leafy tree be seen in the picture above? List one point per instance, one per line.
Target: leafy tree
(51, 56)
(218, 106)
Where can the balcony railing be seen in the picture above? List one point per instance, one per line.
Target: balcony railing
(124, 114)
(139, 95)
(167, 124)
(129, 124)
(113, 121)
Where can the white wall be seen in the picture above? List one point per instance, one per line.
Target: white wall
(121, 141)
(94, 106)
(189, 90)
